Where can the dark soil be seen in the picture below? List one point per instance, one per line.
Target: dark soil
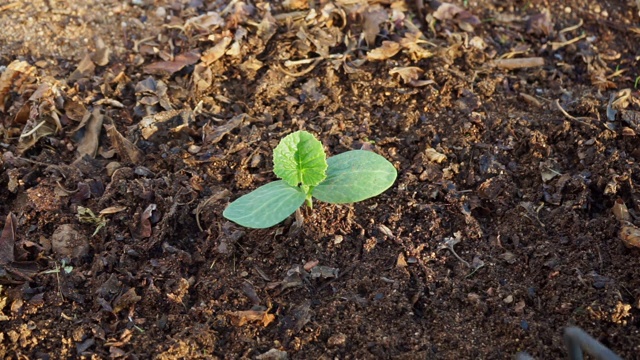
(127, 128)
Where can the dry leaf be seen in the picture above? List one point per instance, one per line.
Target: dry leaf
(8, 240)
(88, 145)
(386, 51)
(216, 52)
(240, 318)
(170, 67)
(540, 24)
(202, 77)
(407, 73)
(125, 148)
(630, 236)
(434, 156)
(213, 137)
(17, 74)
(411, 43)
(145, 223)
(620, 210)
(372, 20)
(207, 21)
(85, 69)
(126, 300)
(465, 20)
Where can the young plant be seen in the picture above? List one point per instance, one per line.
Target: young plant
(299, 160)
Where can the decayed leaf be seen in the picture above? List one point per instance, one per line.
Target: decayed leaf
(126, 300)
(206, 21)
(43, 116)
(465, 20)
(540, 24)
(145, 223)
(407, 73)
(630, 236)
(88, 145)
(202, 77)
(386, 51)
(620, 210)
(267, 27)
(411, 43)
(373, 18)
(167, 121)
(8, 240)
(17, 74)
(101, 56)
(85, 69)
(125, 148)
(216, 52)
(170, 67)
(240, 318)
(213, 137)
(434, 156)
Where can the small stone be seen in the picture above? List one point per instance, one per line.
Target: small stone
(508, 299)
(273, 354)
(112, 167)
(161, 12)
(69, 242)
(337, 340)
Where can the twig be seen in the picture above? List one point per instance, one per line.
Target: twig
(572, 118)
(519, 63)
(301, 73)
(557, 45)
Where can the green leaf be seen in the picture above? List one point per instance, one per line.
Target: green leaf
(265, 206)
(300, 159)
(355, 176)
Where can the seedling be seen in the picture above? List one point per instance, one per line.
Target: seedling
(305, 172)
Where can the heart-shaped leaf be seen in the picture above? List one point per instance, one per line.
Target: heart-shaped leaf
(300, 159)
(355, 176)
(265, 206)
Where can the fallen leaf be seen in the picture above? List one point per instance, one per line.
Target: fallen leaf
(170, 67)
(373, 18)
(630, 236)
(88, 145)
(17, 74)
(407, 73)
(447, 11)
(386, 51)
(620, 210)
(216, 135)
(145, 223)
(125, 148)
(8, 240)
(540, 24)
(240, 318)
(126, 300)
(214, 53)
(206, 21)
(434, 156)
(86, 68)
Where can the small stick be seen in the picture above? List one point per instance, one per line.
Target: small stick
(519, 63)
(572, 118)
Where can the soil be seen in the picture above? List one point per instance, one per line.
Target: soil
(128, 126)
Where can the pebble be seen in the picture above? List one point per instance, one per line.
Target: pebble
(337, 340)
(66, 241)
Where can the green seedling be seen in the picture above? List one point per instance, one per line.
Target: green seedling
(305, 172)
